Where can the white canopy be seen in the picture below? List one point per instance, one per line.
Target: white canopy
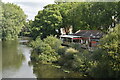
(69, 36)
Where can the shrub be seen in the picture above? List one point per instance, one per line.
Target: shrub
(70, 52)
(67, 59)
(54, 42)
(36, 43)
(81, 61)
(44, 52)
(61, 50)
(76, 46)
(101, 63)
(76, 60)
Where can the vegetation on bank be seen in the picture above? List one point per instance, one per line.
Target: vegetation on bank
(45, 50)
(105, 59)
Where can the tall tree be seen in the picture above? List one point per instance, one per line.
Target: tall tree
(1, 19)
(13, 19)
(64, 9)
(47, 21)
(96, 15)
(106, 59)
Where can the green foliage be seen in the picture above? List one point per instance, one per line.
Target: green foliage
(50, 19)
(1, 20)
(75, 60)
(76, 46)
(64, 9)
(45, 51)
(95, 15)
(81, 61)
(70, 52)
(12, 21)
(101, 63)
(111, 42)
(26, 29)
(62, 50)
(47, 21)
(112, 45)
(106, 59)
(81, 15)
(36, 43)
(55, 43)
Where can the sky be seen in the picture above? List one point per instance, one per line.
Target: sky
(30, 7)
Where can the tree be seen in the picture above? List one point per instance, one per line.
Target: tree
(93, 15)
(82, 15)
(1, 20)
(13, 19)
(52, 17)
(64, 9)
(111, 43)
(47, 21)
(106, 59)
(27, 29)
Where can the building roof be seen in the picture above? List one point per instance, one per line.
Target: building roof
(89, 33)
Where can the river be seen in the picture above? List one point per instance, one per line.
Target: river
(16, 59)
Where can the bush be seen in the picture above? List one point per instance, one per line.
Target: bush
(101, 63)
(61, 50)
(70, 52)
(36, 43)
(54, 42)
(75, 46)
(44, 51)
(67, 58)
(75, 60)
(81, 61)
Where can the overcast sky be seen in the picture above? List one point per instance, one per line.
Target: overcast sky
(30, 7)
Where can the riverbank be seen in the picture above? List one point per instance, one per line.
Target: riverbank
(50, 51)
(73, 59)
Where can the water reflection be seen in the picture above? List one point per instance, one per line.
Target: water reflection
(11, 57)
(49, 71)
(15, 59)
